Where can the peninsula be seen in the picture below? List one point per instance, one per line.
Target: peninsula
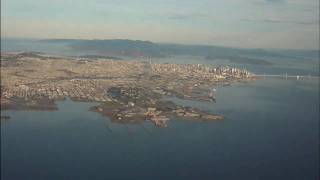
(127, 91)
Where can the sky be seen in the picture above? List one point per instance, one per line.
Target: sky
(276, 24)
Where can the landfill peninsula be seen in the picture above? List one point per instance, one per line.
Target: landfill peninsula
(126, 91)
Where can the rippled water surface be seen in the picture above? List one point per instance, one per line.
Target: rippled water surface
(271, 131)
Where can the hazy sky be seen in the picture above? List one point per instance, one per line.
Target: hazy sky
(238, 23)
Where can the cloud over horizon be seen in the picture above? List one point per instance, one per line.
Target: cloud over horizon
(237, 23)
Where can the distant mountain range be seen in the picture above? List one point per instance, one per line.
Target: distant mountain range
(136, 48)
(113, 47)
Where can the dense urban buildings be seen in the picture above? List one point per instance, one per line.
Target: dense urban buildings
(126, 90)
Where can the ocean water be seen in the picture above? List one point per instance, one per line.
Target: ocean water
(271, 131)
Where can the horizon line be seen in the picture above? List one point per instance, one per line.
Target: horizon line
(157, 42)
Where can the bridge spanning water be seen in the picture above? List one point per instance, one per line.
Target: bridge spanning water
(286, 76)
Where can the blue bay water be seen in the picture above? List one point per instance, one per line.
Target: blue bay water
(271, 131)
